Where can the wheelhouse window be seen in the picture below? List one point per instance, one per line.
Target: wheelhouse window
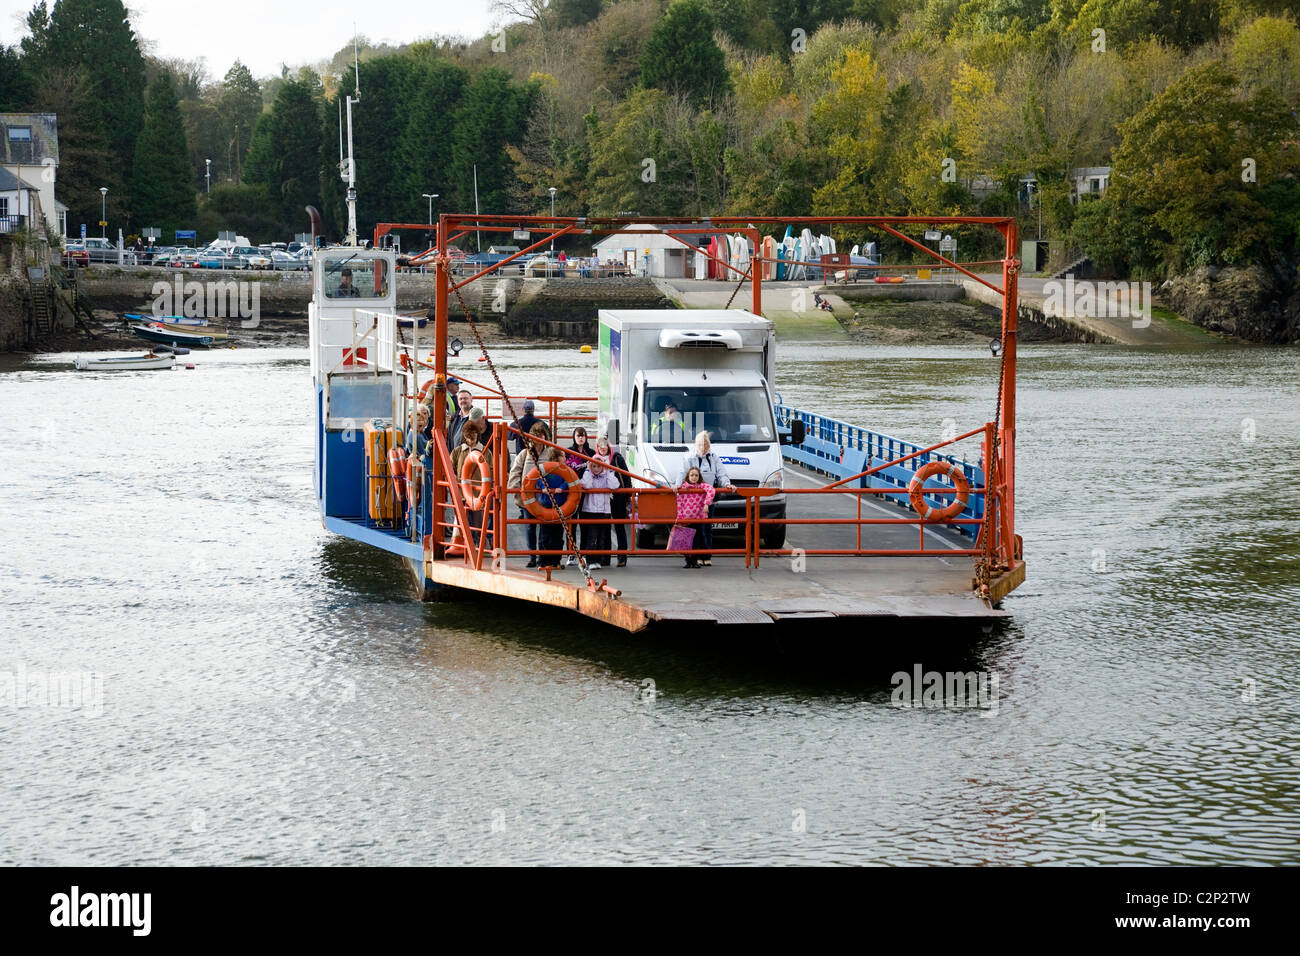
(351, 277)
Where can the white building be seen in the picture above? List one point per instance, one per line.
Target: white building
(654, 254)
(1090, 180)
(29, 153)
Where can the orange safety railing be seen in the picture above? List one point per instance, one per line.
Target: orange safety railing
(995, 540)
(651, 506)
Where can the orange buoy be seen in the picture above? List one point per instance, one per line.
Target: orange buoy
(530, 491)
(916, 491)
(398, 471)
(475, 473)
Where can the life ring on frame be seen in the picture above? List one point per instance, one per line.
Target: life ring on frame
(916, 492)
(475, 473)
(397, 468)
(531, 491)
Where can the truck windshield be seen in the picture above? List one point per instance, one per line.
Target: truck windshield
(727, 414)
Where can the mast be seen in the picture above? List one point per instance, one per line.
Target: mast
(348, 167)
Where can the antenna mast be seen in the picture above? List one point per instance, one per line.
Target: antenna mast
(348, 167)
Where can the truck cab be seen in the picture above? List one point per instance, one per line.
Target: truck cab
(666, 375)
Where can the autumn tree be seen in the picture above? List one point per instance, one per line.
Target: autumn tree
(1190, 174)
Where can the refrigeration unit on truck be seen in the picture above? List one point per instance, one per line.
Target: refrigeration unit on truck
(715, 368)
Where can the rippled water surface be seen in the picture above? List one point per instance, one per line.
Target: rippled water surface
(265, 692)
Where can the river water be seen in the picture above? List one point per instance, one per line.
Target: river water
(240, 687)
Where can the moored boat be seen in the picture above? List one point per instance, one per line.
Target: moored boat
(149, 360)
(165, 319)
(210, 332)
(158, 333)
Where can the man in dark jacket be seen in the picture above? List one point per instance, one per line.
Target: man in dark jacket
(525, 424)
(465, 402)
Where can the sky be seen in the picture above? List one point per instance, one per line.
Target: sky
(263, 35)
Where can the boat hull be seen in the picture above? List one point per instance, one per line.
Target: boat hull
(125, 363)
(171, 338)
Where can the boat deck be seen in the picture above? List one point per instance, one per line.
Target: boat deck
(659, 590)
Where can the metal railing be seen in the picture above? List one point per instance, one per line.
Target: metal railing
(842, 450)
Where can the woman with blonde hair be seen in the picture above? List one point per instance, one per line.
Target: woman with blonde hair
(713, 474)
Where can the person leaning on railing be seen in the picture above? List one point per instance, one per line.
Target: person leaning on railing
(597, 483)
(618, 506)
(469, 442)
(523, 463)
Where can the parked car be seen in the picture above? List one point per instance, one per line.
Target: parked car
(74, 253)
(283, 262)
(217, 259)
(100, 250)
(252, 258)
(181, 258)
(158, 255)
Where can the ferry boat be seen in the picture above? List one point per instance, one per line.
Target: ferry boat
(887, 529)
(878, 530)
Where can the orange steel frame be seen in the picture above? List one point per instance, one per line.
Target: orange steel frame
(996, 542)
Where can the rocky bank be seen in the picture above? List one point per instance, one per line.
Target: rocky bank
(1250, 302)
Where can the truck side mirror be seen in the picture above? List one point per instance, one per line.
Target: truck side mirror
(611, 431)
(797, 432)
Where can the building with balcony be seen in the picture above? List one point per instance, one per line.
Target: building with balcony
(29, 155)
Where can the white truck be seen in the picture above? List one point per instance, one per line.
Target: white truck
(666, 375)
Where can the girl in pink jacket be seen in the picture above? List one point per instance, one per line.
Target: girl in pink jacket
(693, 500)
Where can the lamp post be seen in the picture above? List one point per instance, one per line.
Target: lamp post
(103, 212)
(207, 174)
(431, 197)
(552, 190)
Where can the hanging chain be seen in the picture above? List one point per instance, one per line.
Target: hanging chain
(740, 283)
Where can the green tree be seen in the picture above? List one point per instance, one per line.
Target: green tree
(424, 148)
(162, 192)
(238, 106)
(15, 82)
(681, 57)
(96, 36)
(491, 115)
(285, 154)
(85, 161)
(1178, 196)
(637, 162)
(575, 13)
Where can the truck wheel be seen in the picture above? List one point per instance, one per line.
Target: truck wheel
(645, 540)
(775, 539)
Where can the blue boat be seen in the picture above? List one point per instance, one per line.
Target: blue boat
(165, 337)
(166, 319)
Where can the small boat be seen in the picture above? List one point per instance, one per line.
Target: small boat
(413, 322)
(157, 333)
(164, 319)
(119, 362)
(168, 327)
(172, 349)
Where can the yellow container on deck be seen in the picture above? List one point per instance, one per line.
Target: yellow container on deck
(382, 501)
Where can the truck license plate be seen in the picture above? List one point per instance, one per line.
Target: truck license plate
(727, 526)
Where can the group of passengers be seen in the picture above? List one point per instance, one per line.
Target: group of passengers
(601, 469)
